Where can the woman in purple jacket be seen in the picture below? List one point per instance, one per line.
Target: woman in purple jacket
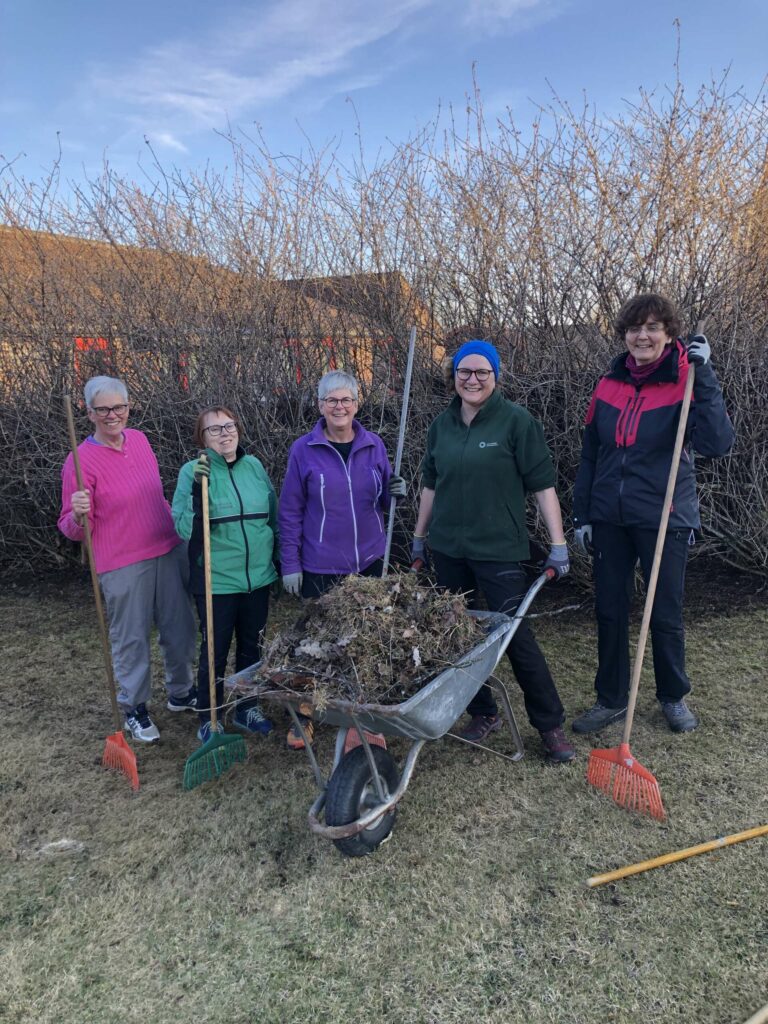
(337, 487)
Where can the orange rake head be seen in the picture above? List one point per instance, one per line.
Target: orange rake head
(119, 756)
(624, 779)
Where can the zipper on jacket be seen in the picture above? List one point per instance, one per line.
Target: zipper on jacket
(322, 502)
(351, 501)
(242, 526)
(379, 489)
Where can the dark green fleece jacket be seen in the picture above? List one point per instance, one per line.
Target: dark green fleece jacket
(481, 474)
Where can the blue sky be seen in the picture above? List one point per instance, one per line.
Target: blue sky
(180, 73)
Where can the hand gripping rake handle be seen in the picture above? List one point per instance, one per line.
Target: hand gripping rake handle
(209, 602)
(660, 537)
(105, 648)
(400, 444)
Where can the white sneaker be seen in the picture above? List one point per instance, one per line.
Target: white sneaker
(140, 725)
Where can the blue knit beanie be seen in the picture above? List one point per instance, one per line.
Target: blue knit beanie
(476, 347)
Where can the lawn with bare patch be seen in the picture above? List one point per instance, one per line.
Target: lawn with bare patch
(218, 905)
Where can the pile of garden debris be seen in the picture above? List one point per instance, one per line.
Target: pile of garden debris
(371, 641)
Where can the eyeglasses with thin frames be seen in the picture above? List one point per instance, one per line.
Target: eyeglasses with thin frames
(480, 375)
(334, 403)
(102, 411)
(652, 328)
(217, 429)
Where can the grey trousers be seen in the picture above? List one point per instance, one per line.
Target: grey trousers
(136, 596)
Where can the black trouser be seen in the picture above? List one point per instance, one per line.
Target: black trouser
(504, 586)
(314, 584)
(616, 550)
(245, 616)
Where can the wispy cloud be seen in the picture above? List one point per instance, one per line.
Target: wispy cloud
(256, 59)
(490, 15)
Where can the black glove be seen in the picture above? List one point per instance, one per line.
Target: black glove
(699, 351)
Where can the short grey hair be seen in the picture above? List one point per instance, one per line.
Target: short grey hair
(100, 385)
(336, 379)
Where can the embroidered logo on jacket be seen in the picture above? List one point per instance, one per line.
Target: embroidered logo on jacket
(488, 444)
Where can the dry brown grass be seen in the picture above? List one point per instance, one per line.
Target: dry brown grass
(218, 905)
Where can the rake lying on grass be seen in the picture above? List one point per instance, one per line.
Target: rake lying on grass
(117, 754)
(219, 753)
(616, 771)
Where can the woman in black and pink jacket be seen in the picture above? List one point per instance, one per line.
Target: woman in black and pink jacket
(619, 492)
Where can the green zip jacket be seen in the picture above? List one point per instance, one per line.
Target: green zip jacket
(243, 511)
(481, 474)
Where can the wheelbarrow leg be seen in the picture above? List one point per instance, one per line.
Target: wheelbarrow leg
(501, 693)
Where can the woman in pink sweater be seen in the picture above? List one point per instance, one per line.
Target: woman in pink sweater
(140, 559)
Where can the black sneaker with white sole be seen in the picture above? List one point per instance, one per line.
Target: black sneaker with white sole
(597, 717)
(140, 725)
(186, 703)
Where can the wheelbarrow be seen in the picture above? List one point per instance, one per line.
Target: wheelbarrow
(358, 803)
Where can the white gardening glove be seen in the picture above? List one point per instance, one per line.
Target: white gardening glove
(292, 583)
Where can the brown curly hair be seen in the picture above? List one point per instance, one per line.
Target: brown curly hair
(637, 310)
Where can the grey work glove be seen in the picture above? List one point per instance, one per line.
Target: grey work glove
(419, 552)
(583, 538)
(397, 487)
(292, 583)
(699, 351)
(558, 560)
(202, 468)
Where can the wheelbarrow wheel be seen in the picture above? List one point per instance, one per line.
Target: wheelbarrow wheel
(352, 793)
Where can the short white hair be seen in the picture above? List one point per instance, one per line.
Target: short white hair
(101, 385)
(336, 379)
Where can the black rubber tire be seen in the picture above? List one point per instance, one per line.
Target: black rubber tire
(352, 791)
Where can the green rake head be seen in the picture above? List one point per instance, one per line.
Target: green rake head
(216, 756)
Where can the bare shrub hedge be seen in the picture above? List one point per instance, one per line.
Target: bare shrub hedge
(209, 288)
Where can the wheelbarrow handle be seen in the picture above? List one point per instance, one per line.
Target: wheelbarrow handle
(522, 608)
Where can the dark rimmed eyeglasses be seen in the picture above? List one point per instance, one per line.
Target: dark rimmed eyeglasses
(480, 375)
(334, 403)
(221, 428)
(102, 411)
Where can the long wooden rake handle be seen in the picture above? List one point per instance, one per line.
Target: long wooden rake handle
(209, 603)
(400, 444)
(671, 858)
(105, 648)
(642, 639)
(637, 667)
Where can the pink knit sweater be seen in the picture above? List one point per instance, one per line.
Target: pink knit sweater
(130, 518)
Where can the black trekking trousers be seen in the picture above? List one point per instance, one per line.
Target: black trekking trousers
(504, 585)
(242, 615)
(616, 550)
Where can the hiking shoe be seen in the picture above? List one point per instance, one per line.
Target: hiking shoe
(205, 731)
(597, 717)
(679, 716)
(140, 725)
(186, 703)
(295, 740)
(557, 747)
(249, 716)
(479, 727)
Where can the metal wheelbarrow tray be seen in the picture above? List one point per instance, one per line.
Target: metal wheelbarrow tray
(361, 796)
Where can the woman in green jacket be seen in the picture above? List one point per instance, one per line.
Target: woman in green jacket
(484, 454)
(243, 515)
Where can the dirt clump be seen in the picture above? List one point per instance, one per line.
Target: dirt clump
(371, 641)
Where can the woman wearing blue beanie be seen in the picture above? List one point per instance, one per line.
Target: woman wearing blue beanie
(484, 454)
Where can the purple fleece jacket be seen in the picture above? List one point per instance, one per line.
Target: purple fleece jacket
(331, 514)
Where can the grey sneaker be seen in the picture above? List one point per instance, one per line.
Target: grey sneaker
(140, 725)
(679, 716)
(597, 717)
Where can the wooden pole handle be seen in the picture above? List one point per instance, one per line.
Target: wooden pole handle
(104, 637)
(671, 858)
(209, 633)
(637, 666)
